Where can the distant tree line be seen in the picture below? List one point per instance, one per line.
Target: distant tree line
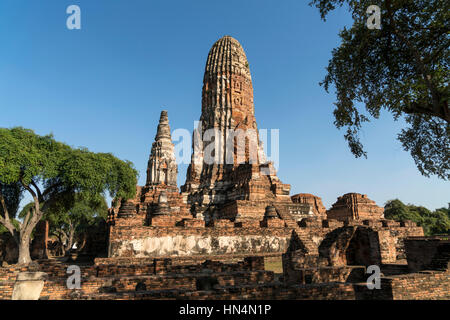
(433, 222)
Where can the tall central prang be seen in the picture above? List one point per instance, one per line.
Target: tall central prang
(227, 107)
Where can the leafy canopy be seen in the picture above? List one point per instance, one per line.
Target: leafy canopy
(13, 195)
(82, 214)
(62, 172)
(433, 222)
(401, 68)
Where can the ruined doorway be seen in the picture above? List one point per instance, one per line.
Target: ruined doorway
(351, 245)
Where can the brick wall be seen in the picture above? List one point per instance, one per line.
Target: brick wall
(222, 238)
(424, 285)
(428, 253)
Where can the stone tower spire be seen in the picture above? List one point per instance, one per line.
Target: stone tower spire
(227, 96)
(227, 104)
(228, 109)
(162, 168)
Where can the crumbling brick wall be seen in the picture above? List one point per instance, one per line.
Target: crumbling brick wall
(423, 285)
(432, 253)
(151, 241)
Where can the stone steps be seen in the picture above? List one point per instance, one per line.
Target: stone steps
(273, 290)
(177, 293)
(193, 281)
(286, 216)
(97, 286)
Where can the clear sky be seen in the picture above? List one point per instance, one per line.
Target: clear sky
(103, 87)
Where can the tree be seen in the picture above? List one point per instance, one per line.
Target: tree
(69, 225)
(53, 173)
(432, 222)
(438, 222)
(401, 68)
(13, 196)
(397, 210)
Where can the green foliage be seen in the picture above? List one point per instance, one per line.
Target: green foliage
(55, 175)
(433, 222)
(70, 225)
(402, 68)
(29, 206)
(83, 213)
(13, 195)
(63, 171)
(15, 222)
(25, 156)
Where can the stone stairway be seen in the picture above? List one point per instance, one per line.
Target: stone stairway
(253, 291)
(170, 285)
(119, 281)
(286, 216)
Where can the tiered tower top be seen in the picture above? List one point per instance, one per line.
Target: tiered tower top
(162, 168)
(163, 127)
(225, 57)
(227, 95)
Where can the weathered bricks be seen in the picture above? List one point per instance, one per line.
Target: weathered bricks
(428, 253)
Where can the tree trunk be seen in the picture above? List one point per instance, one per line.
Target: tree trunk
(24, 250)
(60, 248)
(70, 240)
(82, 242)
(29, 223)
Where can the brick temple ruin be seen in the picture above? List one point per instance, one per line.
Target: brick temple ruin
(213, 238)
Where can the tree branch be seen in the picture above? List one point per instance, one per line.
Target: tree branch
(37, 212)
(49, 189)
(37, 190)
(61, 234)
(437, 110)
(6, 220)
(25, 221)
(5, 209)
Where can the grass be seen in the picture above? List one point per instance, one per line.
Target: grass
(274, 265)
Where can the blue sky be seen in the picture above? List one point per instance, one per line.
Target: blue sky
(103, 87)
